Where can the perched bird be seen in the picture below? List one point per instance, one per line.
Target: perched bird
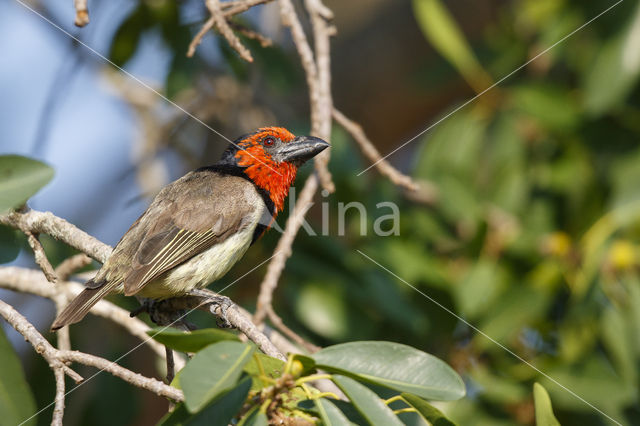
(200, 225)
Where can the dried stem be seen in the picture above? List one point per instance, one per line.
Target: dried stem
(319, 82)
(32, 282)
(219, 20)
(82, 13)
(250, 34)
(58, 409)
(235, 7)
(370, 151)
(45, 222)
(57, 359)
(71, 265)
(41, 257)
(280, 325)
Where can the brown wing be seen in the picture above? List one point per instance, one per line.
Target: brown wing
(187, 221)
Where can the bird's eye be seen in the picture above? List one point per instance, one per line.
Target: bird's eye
(268, 141)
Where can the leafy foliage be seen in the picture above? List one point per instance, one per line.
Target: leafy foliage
(227, 380)
(16, 400)
(20, 178)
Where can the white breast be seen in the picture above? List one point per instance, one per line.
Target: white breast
(209, 265)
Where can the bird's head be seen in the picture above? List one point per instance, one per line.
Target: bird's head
(270, 157)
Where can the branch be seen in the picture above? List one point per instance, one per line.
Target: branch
(219, 20)
(41, 257)
(319, 81)
(30, 281)
(322, 103)
(57, 358)
(58, 409)
(138, 380)
(370, 151)
(232, 8)
(236, 316)
(45, 222)
(317, 75)
(280, 325)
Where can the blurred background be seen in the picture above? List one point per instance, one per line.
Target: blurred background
(533, 237)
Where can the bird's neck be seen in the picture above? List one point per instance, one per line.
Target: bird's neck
(275, 179)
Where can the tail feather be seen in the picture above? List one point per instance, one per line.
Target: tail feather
(81, 305)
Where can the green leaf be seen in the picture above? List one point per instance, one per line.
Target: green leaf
(330, 414)
(272, 367)
(254, 418)
(367, 402)
(212, 371)
(190, 342)
(615, 71)
(9, 245)
(430, 413)
(16, 400)
(445, 35)
(395, 366)
(125, 41)
(544, 412)
(218, 413)
(553, 106)
(20, 178)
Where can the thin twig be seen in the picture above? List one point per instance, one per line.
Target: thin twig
(57, 358)
(136, 379)
(319, 82)
(82, 13)
(250, 34)
(237, 317)
(370, 151)
(318, 78)
(322, 101)
(58, 409)
(41, 257)
(71, 264)
(236, 7)
(171, 367)
(218, 19)
(280, 325)
(31, 281)
(63, 336)
(46, 223)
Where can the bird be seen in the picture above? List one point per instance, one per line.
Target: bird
(197, 227)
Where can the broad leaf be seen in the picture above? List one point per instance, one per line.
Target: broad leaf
(20, 178)
(272, 367)
(395, 366)
(9, 245)
(544, 412)
(190, 342)
(218, 413)
(374, 410)
(430, 413)
(330, 414)
(445, 35)
(254, 418)
(615, 71)
(16, 400)
(212, 371)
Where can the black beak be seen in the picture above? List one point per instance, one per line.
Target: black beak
(301, 149)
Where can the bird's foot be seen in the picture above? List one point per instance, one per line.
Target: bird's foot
(163, 313)
(223, 303)
(218, 305)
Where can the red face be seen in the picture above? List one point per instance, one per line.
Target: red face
(259, 154)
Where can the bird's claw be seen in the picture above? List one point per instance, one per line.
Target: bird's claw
(223, 303)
